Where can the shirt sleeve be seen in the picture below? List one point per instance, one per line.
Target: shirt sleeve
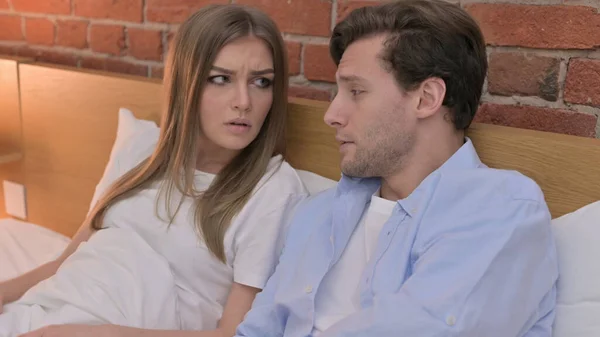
(259, 241)
(495, 277)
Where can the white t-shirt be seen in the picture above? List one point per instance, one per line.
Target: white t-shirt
(339, 294)
(251, 242)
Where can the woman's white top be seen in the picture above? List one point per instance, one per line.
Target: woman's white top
(252, 242)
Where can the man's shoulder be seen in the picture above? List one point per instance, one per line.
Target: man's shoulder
(491, 185)
(486, 199)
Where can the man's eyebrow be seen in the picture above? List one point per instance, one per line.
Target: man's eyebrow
(254, 73)
(350, 78)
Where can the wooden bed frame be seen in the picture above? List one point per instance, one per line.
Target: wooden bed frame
(69, 120)
(10, 123)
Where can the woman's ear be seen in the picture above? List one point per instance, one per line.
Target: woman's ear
(431, 96)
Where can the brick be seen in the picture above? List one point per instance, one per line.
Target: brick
(49, 56)
(306, 17)
(519, 74)
(583, 82)
(145, 44)
(113, 65)
(72, 33)
(8, 50)
(550, 27)
(318, 65)
(309, 93)
(95, 63)
(157, 72)
(4, 4)
(293, 50)
(175, 11)
(541, 119)
(11, 28)
(43, 6)
(126, 10)
(345, 7)
(124, 67)
(108, 39)
(39, 31)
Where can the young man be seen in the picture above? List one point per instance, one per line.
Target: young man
(419, 238)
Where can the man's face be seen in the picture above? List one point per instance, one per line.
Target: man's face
(374, 118)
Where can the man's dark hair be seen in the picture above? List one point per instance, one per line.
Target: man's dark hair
(427, 38)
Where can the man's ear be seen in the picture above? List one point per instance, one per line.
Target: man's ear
(431, 96)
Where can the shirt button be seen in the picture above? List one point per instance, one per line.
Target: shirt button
(331, 239)
(308, 289)
(451, 320)
(414, 210)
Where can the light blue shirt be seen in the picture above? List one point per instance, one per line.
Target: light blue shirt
(469, 253)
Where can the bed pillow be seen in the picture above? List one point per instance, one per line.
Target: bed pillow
(130, 127)
(315, 183)
(577, 237)
(135, 138)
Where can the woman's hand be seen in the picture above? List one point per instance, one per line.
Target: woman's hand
(73, 331)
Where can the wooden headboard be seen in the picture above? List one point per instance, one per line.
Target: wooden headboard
(10, 124)
(70, 118)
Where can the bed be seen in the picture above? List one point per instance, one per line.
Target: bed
(69, 119)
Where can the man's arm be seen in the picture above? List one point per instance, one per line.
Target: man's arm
(264, 319)
(487, 277)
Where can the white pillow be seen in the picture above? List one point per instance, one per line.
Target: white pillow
(134, 141)
(577, 238)
(315, 183)
(130, 127)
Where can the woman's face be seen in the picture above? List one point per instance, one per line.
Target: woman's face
(237, 96)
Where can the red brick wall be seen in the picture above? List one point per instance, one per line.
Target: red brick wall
(544, 58)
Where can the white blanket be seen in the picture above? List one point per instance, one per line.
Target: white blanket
(25, 246)
(113, 278)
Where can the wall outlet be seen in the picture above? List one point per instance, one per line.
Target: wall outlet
(14, 199)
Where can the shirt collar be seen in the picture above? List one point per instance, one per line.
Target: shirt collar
(465, 157)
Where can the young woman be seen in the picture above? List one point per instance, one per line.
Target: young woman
(183, 233)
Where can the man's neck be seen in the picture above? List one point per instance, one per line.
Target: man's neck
(426, 157)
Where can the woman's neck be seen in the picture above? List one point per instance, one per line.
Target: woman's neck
(212, 158)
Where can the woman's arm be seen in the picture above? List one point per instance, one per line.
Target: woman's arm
(238, 304)
(12, 290)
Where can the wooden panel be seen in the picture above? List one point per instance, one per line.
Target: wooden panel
(10, 124)
(311, 143)
(69, 125)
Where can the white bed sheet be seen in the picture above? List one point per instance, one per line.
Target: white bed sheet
(24, 246)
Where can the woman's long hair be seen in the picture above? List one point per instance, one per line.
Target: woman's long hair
(191, 56)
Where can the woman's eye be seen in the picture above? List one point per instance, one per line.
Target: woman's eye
(262, 82)
(219, 79)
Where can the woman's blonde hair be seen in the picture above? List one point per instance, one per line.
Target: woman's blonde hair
(191, 56)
